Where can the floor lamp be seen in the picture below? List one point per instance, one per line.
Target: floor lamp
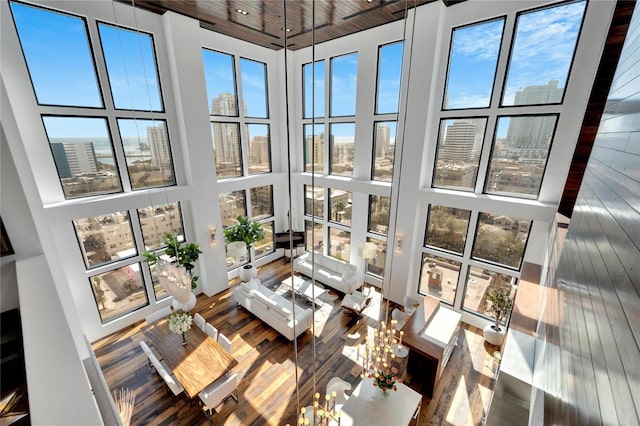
(367, 251)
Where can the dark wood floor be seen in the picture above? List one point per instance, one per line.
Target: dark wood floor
(266, 363)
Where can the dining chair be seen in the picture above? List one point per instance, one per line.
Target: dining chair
(339, 386)
(199, 321)
(224, 342)
(400, 317)
(170, 380)
(160, 313)
(150, 351)
(211, 331)
(410, 305)
(217, 392)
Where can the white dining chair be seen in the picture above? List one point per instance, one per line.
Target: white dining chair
(218, 391)
(199, 321)
(211, 331)
(160, 313)
(170, 380)
(224, 342)
(150, 351)
(340, 387)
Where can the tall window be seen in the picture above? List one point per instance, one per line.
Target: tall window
(341, 149)
(389, 74)
(383, 150)
(480, 282)
(340, 206)
(501, 239)
(261, 202)
(344, 73)
(131, 67)
(472, 65)
(254, 88)
(439, 277)
(540, 60)
(458, 153)
(58, 54)
(314, 201)
(519, 155)
(313, 89)
(227, 149)
(219, 73)
(379, 214)
(447, 228)
(339, 243)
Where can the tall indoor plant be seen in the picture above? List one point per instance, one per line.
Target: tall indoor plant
(249, 232)
(501, 304)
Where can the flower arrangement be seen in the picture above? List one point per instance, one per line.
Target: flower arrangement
(385, 379)
(180, 322)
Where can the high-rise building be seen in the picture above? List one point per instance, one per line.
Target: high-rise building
(548, 93)
(157, 139)
(460, 142)
(74, 159)
(383, 138)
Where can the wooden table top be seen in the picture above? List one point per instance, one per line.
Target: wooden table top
(196, 365)
(415, 326)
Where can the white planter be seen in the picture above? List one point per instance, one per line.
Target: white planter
(247, 272)
(188, 305)
(492, 336)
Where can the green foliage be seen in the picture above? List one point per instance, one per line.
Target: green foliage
(246, 230)
(184, 254)
(501, 304)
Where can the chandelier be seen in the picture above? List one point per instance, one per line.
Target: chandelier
(320, 414)
(381, 348)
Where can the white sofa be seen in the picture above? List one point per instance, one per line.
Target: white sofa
(273, 309)
(335, 273)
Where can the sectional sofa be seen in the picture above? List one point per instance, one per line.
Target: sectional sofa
(273, 309)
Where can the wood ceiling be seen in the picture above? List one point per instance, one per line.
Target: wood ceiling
(263, 23)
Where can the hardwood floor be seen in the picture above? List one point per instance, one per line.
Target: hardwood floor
(266, 365)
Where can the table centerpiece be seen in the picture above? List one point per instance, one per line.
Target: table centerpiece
(179, 323)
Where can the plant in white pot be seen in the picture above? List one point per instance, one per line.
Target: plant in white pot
(500, 308)
(247, 231)
(176, 273)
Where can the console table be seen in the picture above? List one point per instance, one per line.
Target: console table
(431, 334)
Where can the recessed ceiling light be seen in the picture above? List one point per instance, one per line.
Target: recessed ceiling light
(242, 12)
(288, 29)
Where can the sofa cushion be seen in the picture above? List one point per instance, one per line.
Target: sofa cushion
(346, 270)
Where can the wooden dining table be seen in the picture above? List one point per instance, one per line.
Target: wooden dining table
(197, 364)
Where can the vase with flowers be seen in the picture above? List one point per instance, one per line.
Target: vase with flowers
(179, 323)
(385, 380)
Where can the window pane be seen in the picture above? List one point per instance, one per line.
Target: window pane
(146, 147)
(83, 154)
(341, 148)
(501, 239)
(314, 200)
(375, 266)
(545, 42)
(344, 82)
(519, 155)
(265, 246)
(389, 74)
(226, 147)
(479, 283)
(339, 244)
(447, 228)
(58, 56)
(259, 148)
(379, 214)
(439, 277)
(383, 151)
(472, 65)
(119, 292)
(158, 221)
(340, 206)
(232, 205)
(131, 66)
(220, 78)
(159, 291)
(261, 202)
(104, 239)
(314, 148)
(253, 76)
(313, 78)
(318, 237)
(458, 153)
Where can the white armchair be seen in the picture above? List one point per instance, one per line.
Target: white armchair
(357, 301)
(339, 386)
(218, 391)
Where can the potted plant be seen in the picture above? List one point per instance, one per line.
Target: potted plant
(501, 304)
(248, 232)
(183, 254)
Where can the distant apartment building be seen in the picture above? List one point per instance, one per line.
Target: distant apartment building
(383, 140)
(314, 150)
(548, 93)
(461, 142)
(73, 159)
(157, 139)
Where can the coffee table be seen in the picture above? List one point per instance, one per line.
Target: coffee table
(305, 288)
